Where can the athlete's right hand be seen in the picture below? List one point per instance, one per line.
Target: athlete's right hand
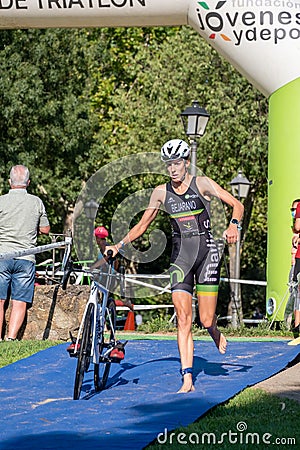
(112, 248)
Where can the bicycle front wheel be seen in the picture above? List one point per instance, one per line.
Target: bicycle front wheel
(84, 352)
(107, 341)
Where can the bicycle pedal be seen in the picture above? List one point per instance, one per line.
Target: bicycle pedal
(115, 360)
(117, 354)
(71, 350)
(73, 339)
(73, 355)
(120, 345)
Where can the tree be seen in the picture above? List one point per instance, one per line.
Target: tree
(46, 120)
(146, 109)
(75, 100)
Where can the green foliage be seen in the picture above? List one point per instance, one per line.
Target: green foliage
(161, 324)
(147, 112)
(261, 330)
(75, 100)
(45, 115)
(158, 324)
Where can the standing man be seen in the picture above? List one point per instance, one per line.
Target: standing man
(194, 256)
(22, 218)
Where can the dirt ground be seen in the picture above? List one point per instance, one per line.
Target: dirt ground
(285, 384)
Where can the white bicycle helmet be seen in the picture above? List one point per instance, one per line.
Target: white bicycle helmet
(175, 149)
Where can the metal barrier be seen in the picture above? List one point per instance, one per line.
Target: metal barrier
(32, 251)
(131, 278)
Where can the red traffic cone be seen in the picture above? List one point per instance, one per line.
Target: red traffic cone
(129, 324)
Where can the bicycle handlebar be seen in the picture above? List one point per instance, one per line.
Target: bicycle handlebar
(68, 264)
(110, 257)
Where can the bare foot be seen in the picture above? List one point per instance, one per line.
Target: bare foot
(218, 338)
(187, 381)
(186, 387)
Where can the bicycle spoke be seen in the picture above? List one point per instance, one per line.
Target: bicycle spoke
(107, 342)
(84, 352)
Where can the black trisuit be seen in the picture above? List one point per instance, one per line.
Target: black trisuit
(195, 257)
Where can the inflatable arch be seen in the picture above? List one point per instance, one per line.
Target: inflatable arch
(260, 38)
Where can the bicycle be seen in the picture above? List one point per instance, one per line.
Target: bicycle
(96, 337)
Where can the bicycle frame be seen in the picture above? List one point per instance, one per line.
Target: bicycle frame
(96, 340)
(67, 253)
(98, 320)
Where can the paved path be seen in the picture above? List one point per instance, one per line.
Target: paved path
(286, 384)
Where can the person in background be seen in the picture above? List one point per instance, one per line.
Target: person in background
(295, 210)
(22, 218)
(295, 237)
(100, 234)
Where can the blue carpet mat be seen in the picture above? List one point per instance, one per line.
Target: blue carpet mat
(38, 411)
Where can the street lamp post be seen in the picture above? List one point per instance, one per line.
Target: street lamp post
(90, 209)
(194, 119)
(240, 186)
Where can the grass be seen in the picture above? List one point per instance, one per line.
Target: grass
(252, 419)
(262, 330)
(162, 324)
(13, 351)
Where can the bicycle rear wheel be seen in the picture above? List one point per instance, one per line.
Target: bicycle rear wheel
(84, 352)
(107, 341)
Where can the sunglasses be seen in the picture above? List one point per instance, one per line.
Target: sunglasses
(293, 209)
